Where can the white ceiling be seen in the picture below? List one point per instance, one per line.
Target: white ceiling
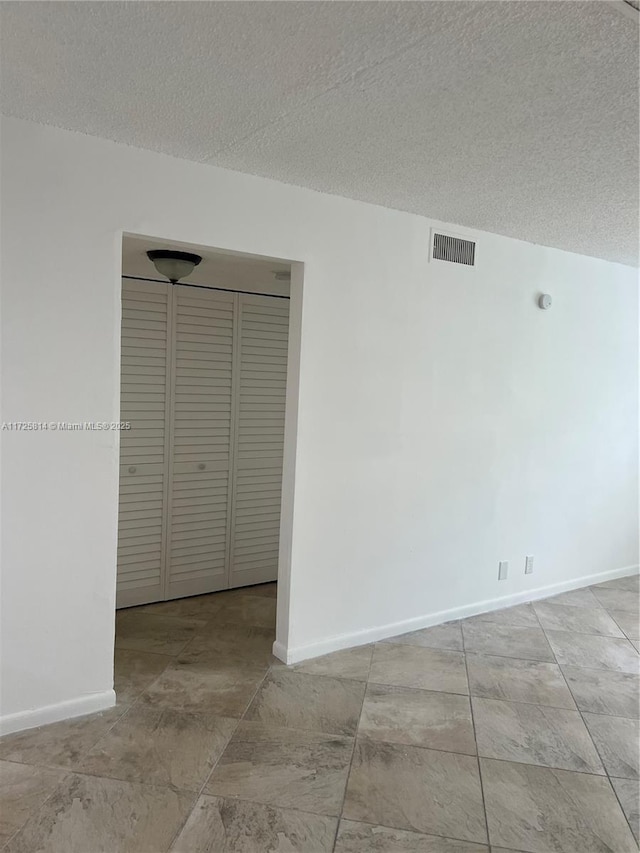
(515, 117)
(225, 270)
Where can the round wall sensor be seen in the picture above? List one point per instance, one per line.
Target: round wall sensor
(544, 301)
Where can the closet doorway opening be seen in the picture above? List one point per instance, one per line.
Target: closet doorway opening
(202, 403)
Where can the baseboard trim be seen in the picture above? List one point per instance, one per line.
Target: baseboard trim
(338, 642)
(54, 713)
(280, 651)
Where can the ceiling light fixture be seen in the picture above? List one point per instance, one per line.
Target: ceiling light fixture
(173, 265)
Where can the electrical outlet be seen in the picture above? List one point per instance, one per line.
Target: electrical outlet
(528, 565)
(503, 570)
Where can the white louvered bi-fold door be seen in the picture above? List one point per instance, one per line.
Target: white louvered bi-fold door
(203, 386)
(202, 429)
(146, 321)
(262, 341)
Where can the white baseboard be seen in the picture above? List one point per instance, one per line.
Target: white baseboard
(360, 638)
(54, 713)
(280, 651)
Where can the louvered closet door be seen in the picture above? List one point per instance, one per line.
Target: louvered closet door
(263, 326)
(199, 504)
(143, 448)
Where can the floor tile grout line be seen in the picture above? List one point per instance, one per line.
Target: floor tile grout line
(199, 793)
(604, 767)
(217, 761)
(591, 669)
(286, 668)
(241, 719)
(480, 696)
(5, 846)
(554, 662)
(255, 802)
(475, 740)
(138, 700)
(196, 795)
(422, 834)
(353, 752)
(354, 737)
(67, 771)
(586, 633)
(611, 616)
(144, 652)
(608, 777)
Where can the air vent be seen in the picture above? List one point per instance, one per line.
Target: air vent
(453, 249)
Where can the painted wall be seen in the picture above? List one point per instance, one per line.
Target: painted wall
(444, 423)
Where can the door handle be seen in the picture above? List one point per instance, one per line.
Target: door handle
(201, 466)
(132, 469)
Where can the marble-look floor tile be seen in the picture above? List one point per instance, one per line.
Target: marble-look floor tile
(534, 734)
(495, 849)
(628, 793)
(604, 691)
(541, 810)
(635, 644)
(593, 652)
(270, 590)
(160, 746)
(630, 582)
(511, 641)
(574, 598)
(86, 814)
(135, 671)
(518, 681)
(315, 702)
(418, 717)
(628, 622)
(217, 825)
(521, 615)
(618, 742)
(618, 599)
(59, 744)
(145, 632)
(354, 837)
(407, 787)
(232, 645)
(199, 607)
(192, 687)
(583, 620)
(284, 767)
(447, 636)
(412, 666)
(23, 789)
(256, 610)
(353, 664)
(221, 608)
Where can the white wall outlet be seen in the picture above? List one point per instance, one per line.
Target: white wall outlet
(528, 565)
(503, 570)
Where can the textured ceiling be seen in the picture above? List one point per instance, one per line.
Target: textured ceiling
(514, 117)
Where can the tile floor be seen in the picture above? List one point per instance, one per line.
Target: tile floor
(510, 731)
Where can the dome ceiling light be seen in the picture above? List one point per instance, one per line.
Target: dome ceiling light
(173, 265)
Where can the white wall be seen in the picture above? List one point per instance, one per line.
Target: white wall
(444, 421)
